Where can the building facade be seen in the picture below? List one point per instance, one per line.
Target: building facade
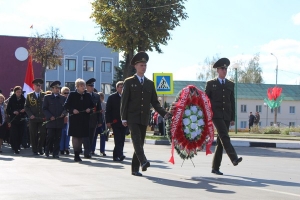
(82, 59)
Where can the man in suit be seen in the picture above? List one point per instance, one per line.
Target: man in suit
(113, 120)
(251, 121)
(138, 93)
(220, 91)
(34, 110)
(54, 111)
(95, 119)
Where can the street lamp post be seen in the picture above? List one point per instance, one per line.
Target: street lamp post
(275, 109)
(266, 105)
(235, 67)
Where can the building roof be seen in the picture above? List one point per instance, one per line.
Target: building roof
(247, 90)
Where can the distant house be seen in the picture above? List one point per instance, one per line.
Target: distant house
(251, 99)
(82, 59)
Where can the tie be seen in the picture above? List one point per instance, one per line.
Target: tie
(222, 81)
(38, 95)
(142, 81)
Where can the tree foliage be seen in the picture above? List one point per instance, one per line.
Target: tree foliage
(45, 49)
(136, 25)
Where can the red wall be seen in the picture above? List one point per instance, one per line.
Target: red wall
(12, 71)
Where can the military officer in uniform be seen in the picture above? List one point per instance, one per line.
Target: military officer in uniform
(220, 91)
(95, 119)
(54, 111)
(138, 93)
(34, 110)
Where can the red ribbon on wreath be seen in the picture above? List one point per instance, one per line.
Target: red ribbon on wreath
(191, 95)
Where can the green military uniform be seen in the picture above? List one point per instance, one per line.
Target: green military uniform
(135, 109)
(34, 106)
(221, 95)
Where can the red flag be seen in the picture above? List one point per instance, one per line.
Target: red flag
(29, 77)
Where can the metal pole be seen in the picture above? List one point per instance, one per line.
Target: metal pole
(275, 109)
(235, 114)
(267, 114)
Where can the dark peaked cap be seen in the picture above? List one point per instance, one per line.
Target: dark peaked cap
(223, 62)
(140, 57)
(90, 81)
(38, 81)
(55, 84)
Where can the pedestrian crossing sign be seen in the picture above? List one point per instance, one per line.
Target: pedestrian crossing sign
(163, 83)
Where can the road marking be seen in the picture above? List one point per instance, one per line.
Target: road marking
(222, 182)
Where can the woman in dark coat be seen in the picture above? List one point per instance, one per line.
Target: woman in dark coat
(16, 111)
(79, 104)
(3, 120)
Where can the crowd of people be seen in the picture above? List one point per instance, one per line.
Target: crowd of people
(45, 121)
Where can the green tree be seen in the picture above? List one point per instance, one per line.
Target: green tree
(45, 49)
(136, 25)
(253, 72)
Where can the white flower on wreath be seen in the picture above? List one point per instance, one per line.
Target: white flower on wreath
(193, 118)
(193, 134)
(187, 112)
(194, 109)
(200, 122)
(186, 130)
(194, 126)
(186, 121)
(200, 114)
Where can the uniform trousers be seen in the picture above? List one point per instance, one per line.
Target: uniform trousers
(16, 133)
(223, 141)
(88, 141)
(37, 136)
(65, 138)
(138, 134)
(53, 140)
(119, 139)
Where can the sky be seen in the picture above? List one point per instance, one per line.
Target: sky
(236, 29)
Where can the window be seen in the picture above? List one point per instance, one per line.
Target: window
(243, 124)
(258, 108)
(292, 109)
(272, 124)
(292, 124)
(105, 88)
(106, 66)
(278, 110)
(243, 108)
(70, 85)
(88, 65)
(48, 83)
(70, 64)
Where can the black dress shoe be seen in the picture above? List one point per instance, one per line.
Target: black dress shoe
(67, 152)
(137, 174)
(78, 159)
(122, 158)
(62, 152)
(145, 166)
(41, 153)
(214, 171)
(88, 156)
(55, 156)
(237, 161)
(17, 152)
(47, 154)
(35, 154)
(117, 159)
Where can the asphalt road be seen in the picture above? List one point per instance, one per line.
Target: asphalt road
(265, 173)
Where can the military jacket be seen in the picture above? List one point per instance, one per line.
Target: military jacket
(34, 106)
(97, 117)
(136, 99)
(221, 98)
(54, 107)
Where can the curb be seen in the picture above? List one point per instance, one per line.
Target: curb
(238, 143)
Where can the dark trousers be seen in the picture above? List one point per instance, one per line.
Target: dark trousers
(161, 128)
(223, 141)
(138, 134)
(16, 133)
(87, 142)
(26, 137)
(37, 136)
(53, 140)
(103, 138)
(119, 139)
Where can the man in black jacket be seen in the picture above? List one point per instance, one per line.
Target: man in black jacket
(220, 91)
(53, 108)
(113, 119)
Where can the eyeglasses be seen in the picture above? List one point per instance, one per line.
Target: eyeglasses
(66, 92)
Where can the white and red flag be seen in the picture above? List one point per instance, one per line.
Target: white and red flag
(29, 77)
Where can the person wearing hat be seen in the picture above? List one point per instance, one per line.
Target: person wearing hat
(220, 91)
(53, 108)
(96, 119)
(138, 93)
(34, 110)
